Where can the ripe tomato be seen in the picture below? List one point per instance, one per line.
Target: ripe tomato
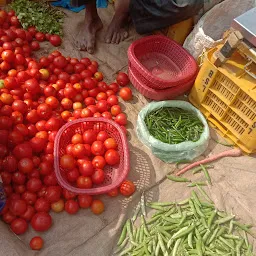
(84, 182)
(38, 144)
(10, 82)
(29, 197)
(6, 98)
(114, 87)
(112, 100)
(92, 68)
(77, 139)
(127, 188)
(84, 201)
(112, 157)
(41, 221)
(21, 128)
(18, 178)
(35, 46)
(42, 205)
(36, 243)
(58, 206)
(97, 207)
(89, 83)
(19, 226)
(110, 143)
(101, 96)
(55, 40)
(102, 106)
(86, 112)
(121, 119)
(73, 175)
(15, 138)
(32, 116)
(98, 76)
(68, 195)
(44, 111)
(67, 162)
(10, 163)
(86, 168)
(71, 206)
(110, 92)
(8, 217)
(29, 213)
(32, 85)
(50, 179)
(19, 105)
(98, 148)
(17, 206)
(6, 177)
(113, 192)
(98, 176)
(66, 103)
(53, 124)
(89, 136)
(102, 136)
(25, 165)
(8, 56)
(116, 110)
(107, 115)
(79, 150)
(45, 168)
(125, 93)
(98, 162)
(122, 79)
(40, 36)
(34, 185)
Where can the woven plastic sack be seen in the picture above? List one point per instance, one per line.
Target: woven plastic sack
(209, 30)
(167, 152)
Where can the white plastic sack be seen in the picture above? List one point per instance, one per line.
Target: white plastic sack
(167, 152)
(210, 28)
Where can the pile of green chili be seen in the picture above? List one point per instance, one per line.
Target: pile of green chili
(191, 227)
(174, 125)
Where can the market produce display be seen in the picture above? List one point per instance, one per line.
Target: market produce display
(191, 227)
(37, 97)
(174, 125)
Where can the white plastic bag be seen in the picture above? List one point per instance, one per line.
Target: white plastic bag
(210, 28)
(167, 152)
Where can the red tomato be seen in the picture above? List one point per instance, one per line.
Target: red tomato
(58, 206)
(41, 221)
(97, 207)
(42, 205)
(44, 111)
(28, 214)
(112, 100)
(107, 115)
(98, 76)
(10, 164)
(19, 105)
(98, 162)
(10, 83)
(40, 36)
(116, 110)
(68, 195)
(112, 157)
(89, 136)
(84, 182)
(32, 85)
(15, 138)
(114, 87)
(22, 129)
(125, 93)
(25, 165)
(98, 176)
(38, 144)
(6, 110)
(67, 162)
(53, 124)
(92, 68)
(110, 92)
(34, 185)
(8, 56)
(32, 116)
(55, 40)
(110, 143)
(122, 79)
(6, 98)
(101, 96)
(45, 168)
(19, 226)
(18, 206)
(90, 101)
(127, 188)
(73, 175)
(86, 168)
(60, 62)
(121, 119)
(8, 217)
(18, 178)
(86, 61)
(29, 197)
(84, 201)
(6, 177)
(79, 150)
(17, 117)
(66, 103)
(35, 46)
(86, 112)
(89, 83)
(102, 106)
(98, 148)
(71, 206)
(36, 243)
(113, 192)
(77, 139)
(50, 179)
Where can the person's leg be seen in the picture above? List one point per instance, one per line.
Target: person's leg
(116, 32)
(85, 40)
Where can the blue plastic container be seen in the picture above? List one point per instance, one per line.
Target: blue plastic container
(2, 195)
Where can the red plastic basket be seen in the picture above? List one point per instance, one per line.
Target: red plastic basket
(114, 175)
(141, 84)
(162, 61)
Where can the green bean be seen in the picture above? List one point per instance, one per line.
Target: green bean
(176, 247)
(213, 236)
(162, 246)
(194, 184)
(221, 231)
(204, 193)
(224, 220)
(226, 242)
(177, 179)
(206, 173)
(145, 225)
(246, 239)
(157, 249)
(141, 234)
(162, 203)
(192, 206)
(231, 225)
(156, 207)
(125, 251)
(182, 232)
(199, 247)
(142, 202)
(190, 240)
(123, 234)
(137, 237)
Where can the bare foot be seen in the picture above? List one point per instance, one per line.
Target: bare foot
(86, 38)
(116, 32)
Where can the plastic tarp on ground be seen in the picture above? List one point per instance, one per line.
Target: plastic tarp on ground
(85, 234)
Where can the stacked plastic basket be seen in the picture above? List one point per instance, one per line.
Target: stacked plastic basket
(160, 69)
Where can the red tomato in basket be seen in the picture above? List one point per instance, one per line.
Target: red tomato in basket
(98, 148)
(112, 157)
(98, 162)
(98, 176)
(84, 182)
(67, 162)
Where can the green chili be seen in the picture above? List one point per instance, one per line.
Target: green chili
(177, 179)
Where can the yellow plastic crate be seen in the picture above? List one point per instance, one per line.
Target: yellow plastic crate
(227, 97)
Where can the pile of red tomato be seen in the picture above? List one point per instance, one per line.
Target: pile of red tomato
(36, 98)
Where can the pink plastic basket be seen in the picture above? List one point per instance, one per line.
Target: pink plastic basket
(162, 61)
(114, 175)
(141, 84)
